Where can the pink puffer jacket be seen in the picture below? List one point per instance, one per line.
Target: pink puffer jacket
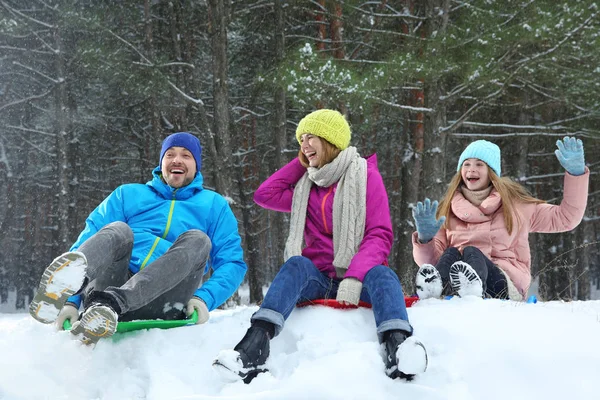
(484, 228)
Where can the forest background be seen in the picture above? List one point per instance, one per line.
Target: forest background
(89, 88)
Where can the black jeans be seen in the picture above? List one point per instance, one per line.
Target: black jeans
(492, 278)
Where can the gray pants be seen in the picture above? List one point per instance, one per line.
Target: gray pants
(162, 289)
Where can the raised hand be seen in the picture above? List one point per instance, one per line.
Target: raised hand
(424, 216)
(570, 155)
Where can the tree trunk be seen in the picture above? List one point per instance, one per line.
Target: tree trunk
(279, 134)
(251, 222)
(152, 139)
(336, 31)
(321, 31)
(219, 20)
(62, 129)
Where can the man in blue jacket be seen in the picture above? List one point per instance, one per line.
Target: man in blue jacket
(144, 251)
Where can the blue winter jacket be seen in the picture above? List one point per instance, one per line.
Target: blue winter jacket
(157, 214)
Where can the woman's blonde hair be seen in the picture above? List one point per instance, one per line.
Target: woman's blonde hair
(329, 153)
(510, 192)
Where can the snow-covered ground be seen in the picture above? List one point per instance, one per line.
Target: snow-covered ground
(478, 349)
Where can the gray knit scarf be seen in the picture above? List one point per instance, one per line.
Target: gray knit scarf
(349, 206)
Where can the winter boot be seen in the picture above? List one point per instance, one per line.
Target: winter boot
(428, 282)
(247, 359)
(464, 280)
(405, 356)
(99, 320)
(61, 279)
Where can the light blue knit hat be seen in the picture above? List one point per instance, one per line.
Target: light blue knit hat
(486, 151)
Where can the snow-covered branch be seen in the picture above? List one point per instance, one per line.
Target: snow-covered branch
(545, 176)
(486, 100)
(400, 106)
(24, 100)
(510, 126)
(405, 13)
(36, 131)
(23, 49)
(38, 148)
(393, 33)
(560, 43)
(466, 115)
(27, 17)
(539, 90)
(128, 44)
(185, 95)
(36, 72)
(46, 44)
(177, 64)
(514, 134)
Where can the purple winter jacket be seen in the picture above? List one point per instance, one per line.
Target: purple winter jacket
(276, 194)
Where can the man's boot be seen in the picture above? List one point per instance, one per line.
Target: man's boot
(99, 320)
(61, 279)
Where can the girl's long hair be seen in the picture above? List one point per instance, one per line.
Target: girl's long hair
(330, 152)
(510, 192)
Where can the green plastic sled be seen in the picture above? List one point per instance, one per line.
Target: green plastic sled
(128, 326)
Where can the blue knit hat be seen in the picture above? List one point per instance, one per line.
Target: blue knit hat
(186, 140)
(485, 151)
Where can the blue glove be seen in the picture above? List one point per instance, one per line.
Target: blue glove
(424, 216)
(570, 155)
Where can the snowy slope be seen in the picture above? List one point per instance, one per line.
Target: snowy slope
(478, 349)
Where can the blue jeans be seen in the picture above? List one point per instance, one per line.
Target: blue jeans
(299, 280)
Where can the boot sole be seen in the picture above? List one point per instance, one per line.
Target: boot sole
(411, 357)
(98, 322)
(464, 280)
(61, 279)
(428, 282)
(227, 374)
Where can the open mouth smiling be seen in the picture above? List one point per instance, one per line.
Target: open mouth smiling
(310, 155)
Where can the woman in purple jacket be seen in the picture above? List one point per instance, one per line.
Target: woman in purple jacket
(340, 238)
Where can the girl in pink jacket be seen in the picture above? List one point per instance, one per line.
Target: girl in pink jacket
(339, 240)
(482, 247)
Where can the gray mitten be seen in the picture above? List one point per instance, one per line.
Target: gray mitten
(68, 312)
(349, 291)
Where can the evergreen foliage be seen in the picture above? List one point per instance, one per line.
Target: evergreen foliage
(90, 88)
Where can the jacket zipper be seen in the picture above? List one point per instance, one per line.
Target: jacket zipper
(323, 209)
(169, 219)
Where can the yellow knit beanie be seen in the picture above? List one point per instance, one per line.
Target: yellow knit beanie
(327, 124)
